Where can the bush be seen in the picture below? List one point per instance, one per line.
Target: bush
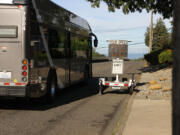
(152, 58)
(165, 57)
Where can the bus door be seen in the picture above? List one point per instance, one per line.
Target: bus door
(68, 50)
(58, 47)
(78, 57)
(12, 29)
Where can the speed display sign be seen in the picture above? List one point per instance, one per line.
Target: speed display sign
(117, 66)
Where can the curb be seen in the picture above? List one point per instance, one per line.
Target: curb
(123, 119)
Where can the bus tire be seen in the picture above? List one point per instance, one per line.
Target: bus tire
(51, 89)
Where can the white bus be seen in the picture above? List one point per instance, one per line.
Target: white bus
(43, 48)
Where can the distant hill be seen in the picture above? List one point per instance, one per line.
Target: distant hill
(135, 55)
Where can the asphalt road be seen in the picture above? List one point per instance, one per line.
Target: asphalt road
(78, 110)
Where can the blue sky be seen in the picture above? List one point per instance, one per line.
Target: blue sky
(113, 25)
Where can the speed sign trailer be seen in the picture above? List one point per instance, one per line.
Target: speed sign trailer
(117, 69)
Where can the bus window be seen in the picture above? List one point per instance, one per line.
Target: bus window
(79, 56)
(56, 43)
(8, 31)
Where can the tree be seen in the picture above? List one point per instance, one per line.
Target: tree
(164, 7)
(176, 71)
(160, 36)
(96, 54)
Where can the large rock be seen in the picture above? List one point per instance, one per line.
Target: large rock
(155, 87)
(167, 87)
(152, 82)
(162, 79)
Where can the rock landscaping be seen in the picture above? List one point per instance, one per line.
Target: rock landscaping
(155, 84)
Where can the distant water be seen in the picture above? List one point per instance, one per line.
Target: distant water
(135, 56)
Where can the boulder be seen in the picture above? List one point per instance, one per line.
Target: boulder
(155, 87)
(162, 79)
(152, 82)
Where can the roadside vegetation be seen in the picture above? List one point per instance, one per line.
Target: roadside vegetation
(96, 55)
(162, 45)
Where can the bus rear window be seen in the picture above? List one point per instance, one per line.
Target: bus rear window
(6, 1)
(8, 31)
(14, 1)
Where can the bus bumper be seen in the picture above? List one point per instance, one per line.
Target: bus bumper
(33, 91)
(13, 91)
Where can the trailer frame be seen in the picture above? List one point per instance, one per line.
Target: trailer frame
(117, 84)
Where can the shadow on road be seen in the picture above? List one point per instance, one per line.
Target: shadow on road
(122, 91)
(141, 84)
(152, 69)
(99, 60)
(65, 96)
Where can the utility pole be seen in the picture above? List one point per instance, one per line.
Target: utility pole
(151, 33)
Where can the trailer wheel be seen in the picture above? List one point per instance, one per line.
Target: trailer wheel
(131, 90)
(51, 90)
(101, 89)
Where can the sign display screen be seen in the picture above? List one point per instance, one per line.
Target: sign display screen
(8, 31)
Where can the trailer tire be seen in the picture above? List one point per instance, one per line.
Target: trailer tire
(101, 89)
(131, 90)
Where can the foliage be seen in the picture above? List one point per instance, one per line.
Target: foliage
(96, 54)
(159, 57)
(165, 57)
(152, 58)
(164, 7)
(161, 37)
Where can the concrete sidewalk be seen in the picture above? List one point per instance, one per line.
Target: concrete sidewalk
(149, 117)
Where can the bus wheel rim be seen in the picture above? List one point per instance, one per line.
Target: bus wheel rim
(52, 90)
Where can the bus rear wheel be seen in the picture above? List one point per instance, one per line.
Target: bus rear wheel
(51, 90)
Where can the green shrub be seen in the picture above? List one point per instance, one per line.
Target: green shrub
(165, 57)
(152, 58)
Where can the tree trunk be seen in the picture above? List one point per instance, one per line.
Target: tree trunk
(176, 70)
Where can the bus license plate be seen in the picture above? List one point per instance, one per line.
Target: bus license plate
(5, 75)
(116, 88)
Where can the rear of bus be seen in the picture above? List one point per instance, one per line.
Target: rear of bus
(13, 64)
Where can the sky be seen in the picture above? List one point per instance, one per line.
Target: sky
(113, 25)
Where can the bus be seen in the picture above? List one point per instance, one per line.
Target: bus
(43, 49)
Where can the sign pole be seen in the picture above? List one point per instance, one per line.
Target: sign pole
(117, 78)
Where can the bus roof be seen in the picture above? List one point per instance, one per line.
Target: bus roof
(60, 12)
(57, 13)
(76, 19)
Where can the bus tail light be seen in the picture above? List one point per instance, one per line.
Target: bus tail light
(24, 67)
(19, 6)
(25, 62)
(24, 73)
(24, 70)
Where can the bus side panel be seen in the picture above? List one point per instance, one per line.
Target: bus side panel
(38, 59)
